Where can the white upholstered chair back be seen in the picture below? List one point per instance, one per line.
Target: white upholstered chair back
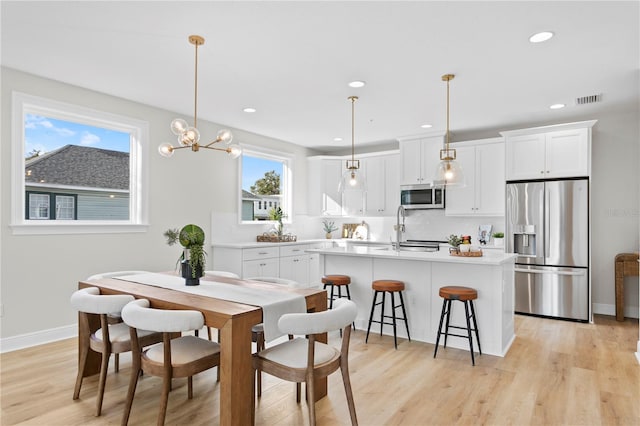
(90, 300)
(343, 313)
(138, 314)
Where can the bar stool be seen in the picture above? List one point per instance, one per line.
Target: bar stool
(337, 281)
(466, 295)
(391, 287)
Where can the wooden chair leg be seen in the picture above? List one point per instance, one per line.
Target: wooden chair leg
(116, 362)
(190, 387)
(311, 398)
(260, 345)
(133, 382)
(104, 366)
(82, 363)
(209, 333)
(344, 369)
(164, 400)
(298, 392)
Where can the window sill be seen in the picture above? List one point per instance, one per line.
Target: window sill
(50, 227)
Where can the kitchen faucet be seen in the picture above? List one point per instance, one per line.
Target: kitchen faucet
(399, 227)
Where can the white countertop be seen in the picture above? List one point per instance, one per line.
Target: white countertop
(490, 257)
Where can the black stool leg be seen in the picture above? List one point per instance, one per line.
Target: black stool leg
(446, 328)
(475, 325)
(331, 301)
(382, 313)
(393, 316)
(373, 307)
(404, 313)
(466, 312)
(444, 306)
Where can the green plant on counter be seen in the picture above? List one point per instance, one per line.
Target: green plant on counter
(498, 235)
(454, 240)
(191, 237)
(276, 213)
(329, 226)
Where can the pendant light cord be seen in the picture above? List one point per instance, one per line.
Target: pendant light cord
(195, 96)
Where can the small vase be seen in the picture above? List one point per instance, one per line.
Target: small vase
(498, 242)
(187, 272)
(327, 235)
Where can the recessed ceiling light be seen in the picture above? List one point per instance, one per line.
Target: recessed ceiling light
(357, 83)
(337, 139)
(426, 126)
(557, 106)
(540, 37)
(249, 109)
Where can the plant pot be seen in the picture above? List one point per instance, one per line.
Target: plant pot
(498, 242)
(185, 267)
(327, 235)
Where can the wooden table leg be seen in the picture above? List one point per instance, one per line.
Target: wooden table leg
(236, 378)
(85, 328)
(619, 277)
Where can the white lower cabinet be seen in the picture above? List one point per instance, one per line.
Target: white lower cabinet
(284, 261)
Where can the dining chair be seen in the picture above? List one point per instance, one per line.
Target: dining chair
(257, 331)
(114, 317)
(304, 359)
(108, 339)
(175, 357)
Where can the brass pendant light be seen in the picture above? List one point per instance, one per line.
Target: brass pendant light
(449, 172)
(189, 137)
(352, 177)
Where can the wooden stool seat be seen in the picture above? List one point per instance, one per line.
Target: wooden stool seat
(392, 287)
(387, 285)
(336, 280)
(458, 293)
(466, 295)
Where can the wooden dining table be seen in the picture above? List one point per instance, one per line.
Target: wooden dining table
(233, 321)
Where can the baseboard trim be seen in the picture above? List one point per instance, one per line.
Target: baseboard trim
(607, 309)
(13, 343)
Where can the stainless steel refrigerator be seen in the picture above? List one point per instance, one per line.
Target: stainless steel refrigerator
(547, 225)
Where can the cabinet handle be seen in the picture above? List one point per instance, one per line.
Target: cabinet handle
(263, 252)
(296, 260)
(263, 264)
(542, 171)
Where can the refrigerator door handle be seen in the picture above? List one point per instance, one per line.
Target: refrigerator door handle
(546, 271)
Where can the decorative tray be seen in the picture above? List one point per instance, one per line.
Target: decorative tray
(274, 238)
(466, 253)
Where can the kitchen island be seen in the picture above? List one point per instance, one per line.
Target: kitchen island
(423, 274)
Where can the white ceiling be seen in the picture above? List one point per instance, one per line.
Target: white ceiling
(292, 61)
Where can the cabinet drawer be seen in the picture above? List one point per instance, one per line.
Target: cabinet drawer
(293, 250)
(259, 253)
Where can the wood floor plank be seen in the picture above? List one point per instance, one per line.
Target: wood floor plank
(556, 373)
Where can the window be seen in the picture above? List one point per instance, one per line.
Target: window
(265, 184)
(76, 170)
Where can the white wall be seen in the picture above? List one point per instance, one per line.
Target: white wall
(39, 273)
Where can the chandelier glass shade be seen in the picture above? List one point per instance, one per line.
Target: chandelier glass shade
(189, 136)
(352, 177)
(449, 172)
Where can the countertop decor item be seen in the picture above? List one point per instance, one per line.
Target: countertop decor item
(498, 239)
(192, 260)
(189, 137)
(328, 226)
(277, 214)
(454, 241)
(466, 253)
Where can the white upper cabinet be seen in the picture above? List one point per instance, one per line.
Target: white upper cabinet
(558, 151)
(324, 176)
(482, 164)
(383, 185)
(419, 158)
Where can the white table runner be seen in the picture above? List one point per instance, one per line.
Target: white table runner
(274, 303)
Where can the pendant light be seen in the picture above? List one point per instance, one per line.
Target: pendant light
(189, 137)
(449, 172)
(352, 177)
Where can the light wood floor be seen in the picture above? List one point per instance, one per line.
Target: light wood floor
(556, 373)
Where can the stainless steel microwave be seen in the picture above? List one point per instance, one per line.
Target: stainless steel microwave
(422, 196)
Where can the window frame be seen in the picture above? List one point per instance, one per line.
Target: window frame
(53, 204)
(23, 104)
(286, 182)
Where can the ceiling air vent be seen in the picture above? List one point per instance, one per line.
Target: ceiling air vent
(591, 99)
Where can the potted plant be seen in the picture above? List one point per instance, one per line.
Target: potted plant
(192, 260)
(454, 242)
(277, 214)
(498, 239)
(328, 227)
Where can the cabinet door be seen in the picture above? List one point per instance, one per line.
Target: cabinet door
(567, 153)
(376, 175)
(431, 157)
(331, 199)
(392, 184)
(315, 277)
(411, 162)
(461, 201)
(490, 182)
(295, 268)
(261, 268)
(525, 157)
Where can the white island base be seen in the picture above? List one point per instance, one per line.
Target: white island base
(423, 275)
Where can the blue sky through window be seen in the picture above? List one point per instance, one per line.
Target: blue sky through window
(254, 168)
(47, 134)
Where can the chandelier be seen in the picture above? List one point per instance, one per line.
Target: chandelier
(189, 137)
(449, 172)
(352, 178)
